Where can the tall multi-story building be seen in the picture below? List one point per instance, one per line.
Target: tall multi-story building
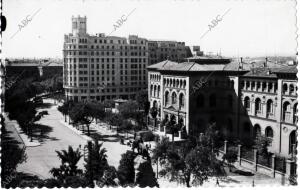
(99, 67)
(171, 50)
(241, 100)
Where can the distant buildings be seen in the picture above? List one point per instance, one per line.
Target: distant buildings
(171, 50)
(36, 68)
(107, 67)
(243, 102)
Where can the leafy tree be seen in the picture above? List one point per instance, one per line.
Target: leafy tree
(108, 103)
(146, 110)
(12, 155)
(142, 99)
(108, 179)
(195, 165)
(126, 173)
(64, 109)
(230, 157)
(82, 114)
(96, 162)
(68, 168)
(173, 128)
(154, 113)
(261, 143)
(129, 109)
(114, 119)
(161, 149)
(29, 117)
(212, 138)
(126, 126)
(97, 110)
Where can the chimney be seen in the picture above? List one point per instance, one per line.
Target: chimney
(242, 63)
(266, 63)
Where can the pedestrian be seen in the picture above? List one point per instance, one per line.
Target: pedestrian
(217, 183)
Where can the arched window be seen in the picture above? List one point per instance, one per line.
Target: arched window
(270, 87)
(230, 101)
(257, 106)
(200, 101)
(269, 132)
(174, 98)
(151, 90)
(258, 85)
(286, 111)
(158, 91)
(155, 92)
(264, 86)
(285, 88)
(292, 141)
(242, 84)
(212, 100)
(167, 98)
(256, 131)
(295, 117)
(292, 89)
(181, 101)
(253, 85)
(247, 85)
(247, 103)
(154, 104)
(270, 110)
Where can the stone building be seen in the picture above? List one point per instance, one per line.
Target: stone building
(241, 100)
(99, 67)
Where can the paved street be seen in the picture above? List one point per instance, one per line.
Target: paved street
(42, 158)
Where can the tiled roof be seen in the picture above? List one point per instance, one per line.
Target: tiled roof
(163, 65)
(254, 68)
(286, 69)
(267, 72)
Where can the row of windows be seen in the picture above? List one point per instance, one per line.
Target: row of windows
(287, 110)
(97, 72)
(103, 90)
(174, 99)
(108, 60)
(155, 77)
(259, 86)
(176, 83)
(107, 47)
(289, 89)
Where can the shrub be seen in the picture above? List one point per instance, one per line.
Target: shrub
(148, 136)
(126, 173)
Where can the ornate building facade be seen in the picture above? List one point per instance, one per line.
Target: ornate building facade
(241, 101)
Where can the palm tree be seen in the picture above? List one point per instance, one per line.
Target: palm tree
(68, 168)
(96, 161)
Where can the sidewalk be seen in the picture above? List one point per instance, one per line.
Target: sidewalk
(26, 140)
(78, 132)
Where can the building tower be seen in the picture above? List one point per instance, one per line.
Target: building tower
(78, 25)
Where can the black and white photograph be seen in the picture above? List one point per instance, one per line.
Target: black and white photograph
(149, 93)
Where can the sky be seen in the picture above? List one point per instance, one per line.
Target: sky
(248, 28)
